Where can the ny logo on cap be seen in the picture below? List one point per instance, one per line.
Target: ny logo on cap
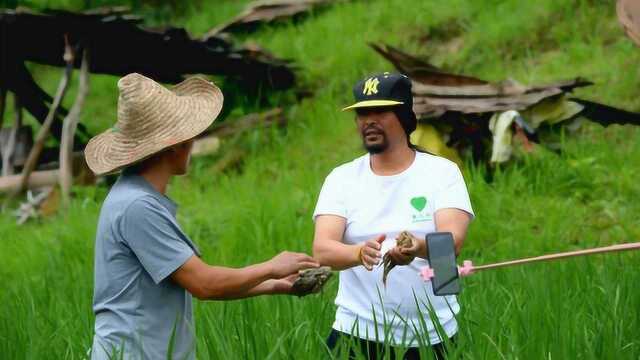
(370, 86)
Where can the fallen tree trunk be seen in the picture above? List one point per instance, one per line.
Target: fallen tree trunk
(82, 175)
(37, 179)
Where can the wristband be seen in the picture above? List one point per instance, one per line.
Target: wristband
(360, 255)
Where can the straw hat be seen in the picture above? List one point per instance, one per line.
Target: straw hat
(152, 118)
(629, 16)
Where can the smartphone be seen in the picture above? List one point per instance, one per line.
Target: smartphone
(441, 254)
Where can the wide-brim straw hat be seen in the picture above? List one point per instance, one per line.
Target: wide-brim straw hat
(629, 16)
(152, 118)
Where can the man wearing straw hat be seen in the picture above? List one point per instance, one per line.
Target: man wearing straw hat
(365, 204)
(146, 268)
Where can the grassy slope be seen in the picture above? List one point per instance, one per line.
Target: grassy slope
(584, 197)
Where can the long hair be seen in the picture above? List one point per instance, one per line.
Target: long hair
(409, 123)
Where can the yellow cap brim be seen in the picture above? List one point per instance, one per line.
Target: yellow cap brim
(373, 103)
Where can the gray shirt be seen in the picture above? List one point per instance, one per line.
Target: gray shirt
(139, 310)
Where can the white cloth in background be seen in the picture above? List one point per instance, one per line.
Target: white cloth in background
(500, 127)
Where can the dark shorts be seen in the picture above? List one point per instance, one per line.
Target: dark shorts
(339, 343)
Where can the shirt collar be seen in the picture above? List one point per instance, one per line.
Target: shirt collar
(143, 184)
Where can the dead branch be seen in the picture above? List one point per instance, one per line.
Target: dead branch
(69, 126)
(43, 133)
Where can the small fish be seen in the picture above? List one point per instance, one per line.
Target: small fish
(404, 240)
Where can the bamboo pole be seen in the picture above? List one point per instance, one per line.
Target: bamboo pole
(563, 255)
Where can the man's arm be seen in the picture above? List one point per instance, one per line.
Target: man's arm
(455, 221)
(208, 282)
(329, 249)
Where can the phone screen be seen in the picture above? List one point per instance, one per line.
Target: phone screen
(442, 259)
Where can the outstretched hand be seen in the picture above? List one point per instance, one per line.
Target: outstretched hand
(289, 263)
(284, 285)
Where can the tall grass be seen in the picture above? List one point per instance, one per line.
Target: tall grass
(585, 196)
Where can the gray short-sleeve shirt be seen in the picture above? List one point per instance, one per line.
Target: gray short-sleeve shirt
(138, 309)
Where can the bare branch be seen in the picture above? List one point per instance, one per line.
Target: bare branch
(69, 127)
(43, 133)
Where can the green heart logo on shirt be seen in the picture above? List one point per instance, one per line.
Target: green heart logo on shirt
(419, 203)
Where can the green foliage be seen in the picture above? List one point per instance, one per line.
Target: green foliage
(585, 196)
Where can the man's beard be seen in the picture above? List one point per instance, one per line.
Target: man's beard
(377, 147)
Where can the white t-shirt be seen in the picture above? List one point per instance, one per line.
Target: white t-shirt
(374, 205)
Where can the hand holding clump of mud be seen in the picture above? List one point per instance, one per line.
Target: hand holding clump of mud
(402, 254)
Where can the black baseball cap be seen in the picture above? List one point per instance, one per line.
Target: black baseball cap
(386, 89)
